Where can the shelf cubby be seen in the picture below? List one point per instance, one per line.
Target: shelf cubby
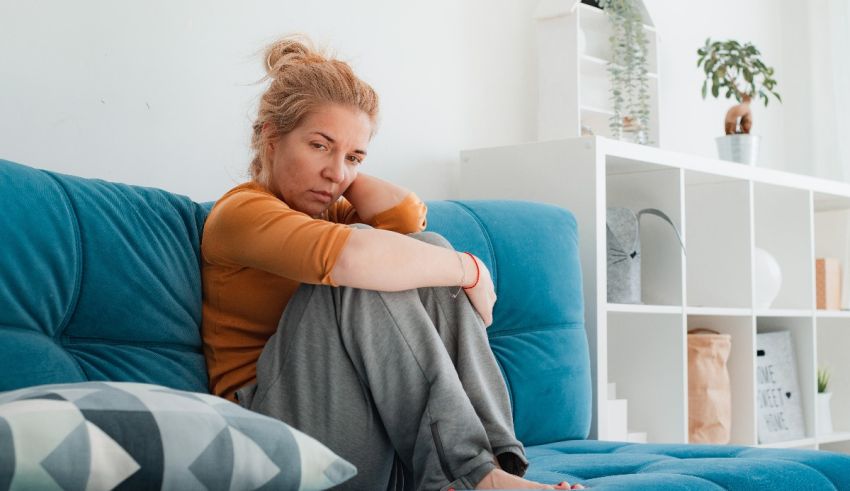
(783, 228)
(597, 31)
(718, 231)
(645, 354)
(833, 342)
(803, 342)
(741, 370)
(832, 237)
(661, 254)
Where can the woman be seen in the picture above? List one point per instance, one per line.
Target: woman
(319, 308)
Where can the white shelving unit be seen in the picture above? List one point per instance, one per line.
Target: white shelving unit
(724, 211)
(573, 85)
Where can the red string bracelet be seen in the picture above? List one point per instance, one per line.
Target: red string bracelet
(477, 272)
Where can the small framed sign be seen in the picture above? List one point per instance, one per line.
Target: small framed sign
(780, 407)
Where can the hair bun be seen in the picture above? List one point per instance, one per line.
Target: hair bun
(295, 48)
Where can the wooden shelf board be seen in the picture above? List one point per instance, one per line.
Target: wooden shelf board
(602, 62)
(838, 436)
(805, 442)
(627, 153)
(727, 311)
(784, 313)
(591, 10)
(644, 309)
(843, 314)
(597, 110)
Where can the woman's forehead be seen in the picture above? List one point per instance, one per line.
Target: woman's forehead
(338, 123)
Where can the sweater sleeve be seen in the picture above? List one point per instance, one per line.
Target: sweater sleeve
(408, 216)
(254, 229)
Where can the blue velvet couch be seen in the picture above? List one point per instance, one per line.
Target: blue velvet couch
(101, 281)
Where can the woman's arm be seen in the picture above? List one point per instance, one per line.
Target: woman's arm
(381, 260)
(370, 195)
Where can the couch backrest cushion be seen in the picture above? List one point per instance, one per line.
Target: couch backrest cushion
(98, 281)
(101, 281)
(538, 333)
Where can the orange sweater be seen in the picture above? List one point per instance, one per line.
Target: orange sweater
(255, 253)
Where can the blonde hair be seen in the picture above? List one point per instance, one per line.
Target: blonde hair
(302, 78)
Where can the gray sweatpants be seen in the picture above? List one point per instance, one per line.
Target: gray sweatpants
(401, 384)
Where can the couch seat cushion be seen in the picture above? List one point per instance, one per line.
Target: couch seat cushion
(616, 465)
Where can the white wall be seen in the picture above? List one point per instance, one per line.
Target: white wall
(689, 123)
(161, 93)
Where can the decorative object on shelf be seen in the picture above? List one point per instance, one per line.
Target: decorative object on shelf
(768, 278)
(709, 389)
(628, 70)
(780, 407)
(573, 50)
(832, 239)
(618, 415)
(623, 232)
(824, 411)
(828, 283)
(739, 72)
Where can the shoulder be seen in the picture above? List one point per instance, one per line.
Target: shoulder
(244, 200)
(246, 192)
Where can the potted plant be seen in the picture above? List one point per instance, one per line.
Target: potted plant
(628, 71)
(736, 70)
(823, 410)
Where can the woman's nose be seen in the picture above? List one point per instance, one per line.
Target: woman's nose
(335, 170)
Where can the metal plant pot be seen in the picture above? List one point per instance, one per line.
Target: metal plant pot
(743, 148)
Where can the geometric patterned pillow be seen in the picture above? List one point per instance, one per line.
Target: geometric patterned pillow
(102, 435)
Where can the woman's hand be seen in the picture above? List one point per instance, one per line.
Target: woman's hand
(483, 295)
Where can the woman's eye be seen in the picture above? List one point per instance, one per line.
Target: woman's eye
(354, 159)
(318, 146)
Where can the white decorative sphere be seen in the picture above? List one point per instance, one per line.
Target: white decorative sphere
(768, 278)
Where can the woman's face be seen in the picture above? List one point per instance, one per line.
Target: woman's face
(314, 164)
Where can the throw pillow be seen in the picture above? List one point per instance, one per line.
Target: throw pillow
(101, 435)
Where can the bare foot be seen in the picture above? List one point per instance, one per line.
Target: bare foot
(499, 479)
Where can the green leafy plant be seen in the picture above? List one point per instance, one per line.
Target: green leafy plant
(823, 380)
(736, 70)
(628, 70)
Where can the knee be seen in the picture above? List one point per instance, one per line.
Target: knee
(432, 238)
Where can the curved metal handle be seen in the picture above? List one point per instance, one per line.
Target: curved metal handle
(663, 216)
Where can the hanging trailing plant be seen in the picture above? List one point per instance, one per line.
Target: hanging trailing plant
(628, 70)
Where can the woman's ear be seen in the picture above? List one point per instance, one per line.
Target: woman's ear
(267, 135)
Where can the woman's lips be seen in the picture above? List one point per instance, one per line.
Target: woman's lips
(323, 197)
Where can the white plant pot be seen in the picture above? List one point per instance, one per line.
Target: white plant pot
(768, 278)
(824, 413)
(741, 148)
